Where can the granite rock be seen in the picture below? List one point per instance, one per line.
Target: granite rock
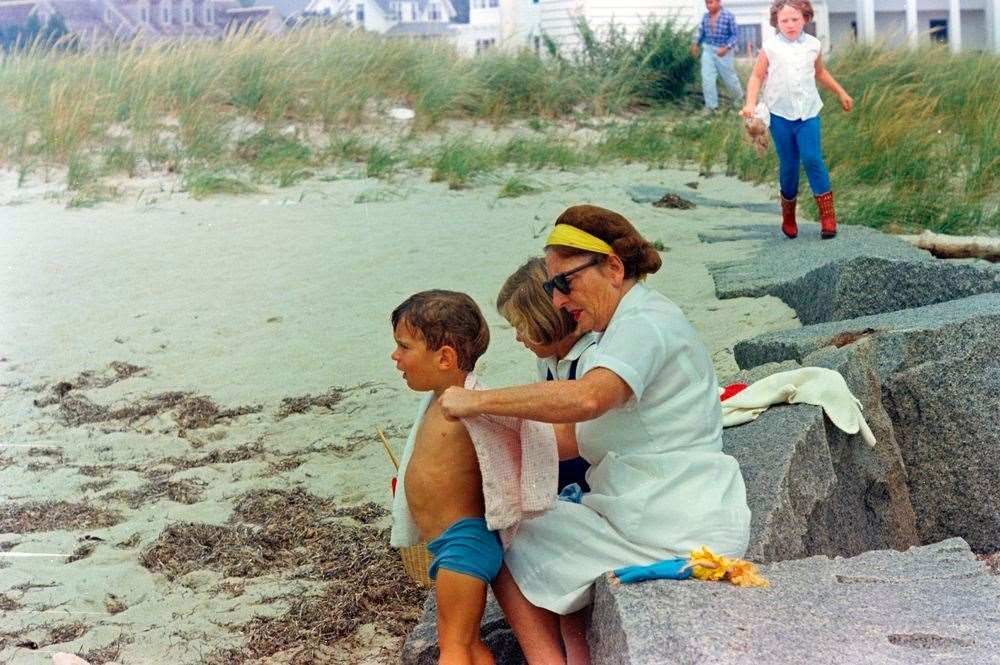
(938, 372)
(931, 604)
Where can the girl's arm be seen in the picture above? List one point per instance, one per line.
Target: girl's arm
(753, 85)
(599, 391)
(566, 441)
(825, 79)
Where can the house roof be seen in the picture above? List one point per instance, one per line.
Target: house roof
(75, 11)
(16, 13)
(419, 28)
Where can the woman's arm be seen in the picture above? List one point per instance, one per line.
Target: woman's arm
(825, 79)
(599, 391)
(757, 77)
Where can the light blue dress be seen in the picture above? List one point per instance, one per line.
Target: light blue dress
(660, 484)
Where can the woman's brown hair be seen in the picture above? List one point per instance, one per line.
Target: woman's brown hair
(524, 303)
(638, 255)
(803, 6)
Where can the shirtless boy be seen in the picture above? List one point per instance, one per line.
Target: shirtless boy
(439, 336)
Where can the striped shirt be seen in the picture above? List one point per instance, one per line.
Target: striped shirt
(725, 32)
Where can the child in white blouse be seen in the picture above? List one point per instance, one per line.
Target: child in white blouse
(792, 64)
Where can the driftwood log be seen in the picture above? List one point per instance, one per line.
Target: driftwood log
(957, 247)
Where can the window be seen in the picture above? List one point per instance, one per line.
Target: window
(494, 3)
(939, 30)
(210, 12)
(538, 44)
(144, 15)
(748, 39)
(359, 13)
(484, 44)
(166, 14)
(434, 13)
(187, 15)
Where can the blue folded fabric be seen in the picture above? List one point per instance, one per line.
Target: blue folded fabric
(668, 569)
(572, 493)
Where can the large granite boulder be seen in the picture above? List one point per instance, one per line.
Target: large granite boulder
(774, 260)
(932, 604)
(866, 285)
(938, 372)
(813, 489)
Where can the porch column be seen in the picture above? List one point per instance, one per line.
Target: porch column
(954, 26)
(912, 31)
(993, 25)
(822, 19)
(865, 19)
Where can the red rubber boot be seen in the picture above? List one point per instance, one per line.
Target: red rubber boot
(827, 216)
(788, 226)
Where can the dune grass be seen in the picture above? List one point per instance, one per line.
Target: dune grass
(921, 150)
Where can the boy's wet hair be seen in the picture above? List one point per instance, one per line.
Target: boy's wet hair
(446, 318)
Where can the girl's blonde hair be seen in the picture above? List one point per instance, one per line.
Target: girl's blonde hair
(526, 306)
(803, 6)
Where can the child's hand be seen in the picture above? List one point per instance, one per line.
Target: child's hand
(846, 102)
(747, 111)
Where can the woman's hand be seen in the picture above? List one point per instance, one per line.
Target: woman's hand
(846, 102)
(458, 403)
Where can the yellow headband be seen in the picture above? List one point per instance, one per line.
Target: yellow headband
(565, 235)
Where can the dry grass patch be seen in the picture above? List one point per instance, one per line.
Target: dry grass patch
(36, 516)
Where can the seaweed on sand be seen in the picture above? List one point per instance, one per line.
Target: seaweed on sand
(182, 491)
(36, 516)
(328, 400)
(303, 536)
(191, 411)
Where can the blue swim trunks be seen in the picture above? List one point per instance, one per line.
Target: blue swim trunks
(469, 548)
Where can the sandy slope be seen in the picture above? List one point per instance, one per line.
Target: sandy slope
(248, 301)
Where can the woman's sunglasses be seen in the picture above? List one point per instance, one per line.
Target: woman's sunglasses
(561, 284)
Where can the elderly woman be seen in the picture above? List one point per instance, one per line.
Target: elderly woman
(648, 420)
(557, 342)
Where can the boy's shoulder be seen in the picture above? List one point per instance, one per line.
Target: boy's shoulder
(434, 424)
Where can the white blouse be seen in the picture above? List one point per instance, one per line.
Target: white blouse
(790, 91)
(660, 484)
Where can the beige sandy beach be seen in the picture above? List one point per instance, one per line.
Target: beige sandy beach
(248, 301)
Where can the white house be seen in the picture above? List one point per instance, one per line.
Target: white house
(420, 17)
(969, 24)
(477, 25)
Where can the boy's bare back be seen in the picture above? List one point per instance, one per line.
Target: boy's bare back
(443, 483)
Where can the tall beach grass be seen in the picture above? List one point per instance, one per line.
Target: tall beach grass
(921, 149)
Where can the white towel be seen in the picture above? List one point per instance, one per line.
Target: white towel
(808, 385)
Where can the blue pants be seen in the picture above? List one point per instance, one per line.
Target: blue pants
(469, 548)
(798, 142)
(711, 67)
